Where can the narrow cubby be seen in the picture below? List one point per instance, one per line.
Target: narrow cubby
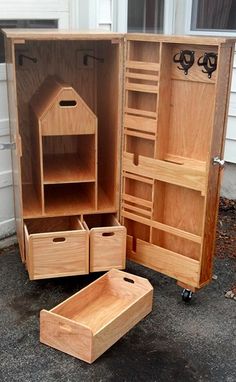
(145, 51)
(139, 188)
(137, 230)
(146, 102)
(137, 197)
(140, 146)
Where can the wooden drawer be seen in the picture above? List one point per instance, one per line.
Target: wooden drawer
(107, 242)
(56, 247)
(89, 322)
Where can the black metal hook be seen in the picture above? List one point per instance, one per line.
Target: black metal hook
(185, 58)
(209, 61)
(22, 56)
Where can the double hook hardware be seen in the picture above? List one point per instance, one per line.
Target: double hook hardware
(209, 61)
(185, 58)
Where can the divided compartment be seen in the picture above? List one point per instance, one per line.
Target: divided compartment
(69, 159)
(137, 195)
(144, 51)
(140, 146)
(107, 242)
(88, 323)
(136, 230)
(56, 247)
(63, 199)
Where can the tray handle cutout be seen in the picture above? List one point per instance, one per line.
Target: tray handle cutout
(58, 239)
(128, 280)
(107, 234)
(68, 103)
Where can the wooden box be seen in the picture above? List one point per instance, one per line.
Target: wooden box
(88, 323)
(160, 137)
(56, 247)
(107, 240)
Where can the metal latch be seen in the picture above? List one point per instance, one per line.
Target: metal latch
(218, 161)
(7, 146)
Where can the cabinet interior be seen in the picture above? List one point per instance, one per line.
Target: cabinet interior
(168, 127)
(80, 172)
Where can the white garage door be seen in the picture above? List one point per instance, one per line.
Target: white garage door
(29, 13)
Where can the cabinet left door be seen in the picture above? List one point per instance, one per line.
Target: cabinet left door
(16, 151)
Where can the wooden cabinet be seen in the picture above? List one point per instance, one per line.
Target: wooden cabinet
(130, 125)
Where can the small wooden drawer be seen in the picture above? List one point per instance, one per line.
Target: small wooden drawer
(107, 242)
(88, 323)
(56, 247)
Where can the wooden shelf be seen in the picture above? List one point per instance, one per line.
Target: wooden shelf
(72, 204)
(188, 162)
(65, 199)
(66, 168)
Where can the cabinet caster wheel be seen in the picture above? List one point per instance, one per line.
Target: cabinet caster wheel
(187, 295)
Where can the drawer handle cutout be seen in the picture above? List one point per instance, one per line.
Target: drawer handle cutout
(59, 239)
(68, 103)
(108, 233)
(129, 280)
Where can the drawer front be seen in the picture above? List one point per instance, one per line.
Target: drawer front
(107, 248)
(58, 254)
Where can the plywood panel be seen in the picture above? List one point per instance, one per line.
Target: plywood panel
(191, 119)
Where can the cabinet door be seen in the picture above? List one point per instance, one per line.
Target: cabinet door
(174, 125)
(16, 140)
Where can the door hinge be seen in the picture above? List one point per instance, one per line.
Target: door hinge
(15, 145)
(217, 161)
(7, 146)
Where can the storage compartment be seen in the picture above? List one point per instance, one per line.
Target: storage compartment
(77, 112)
(107, 242)
(168, 127)
(92, 320)
(69, 159)
(56, 247)
(63, 199)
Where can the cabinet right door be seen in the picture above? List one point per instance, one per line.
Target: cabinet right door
(175, 113)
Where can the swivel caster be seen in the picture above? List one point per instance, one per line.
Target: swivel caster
(186, 295)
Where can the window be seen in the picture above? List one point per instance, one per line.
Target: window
(146, 16)
(23, 24)
(213, 15)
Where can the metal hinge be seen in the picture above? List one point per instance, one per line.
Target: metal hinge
(7, 146)
(217, 161)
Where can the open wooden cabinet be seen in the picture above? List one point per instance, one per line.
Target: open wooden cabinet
(117, 132)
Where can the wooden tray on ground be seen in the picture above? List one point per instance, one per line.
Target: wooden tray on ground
(88, 323)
